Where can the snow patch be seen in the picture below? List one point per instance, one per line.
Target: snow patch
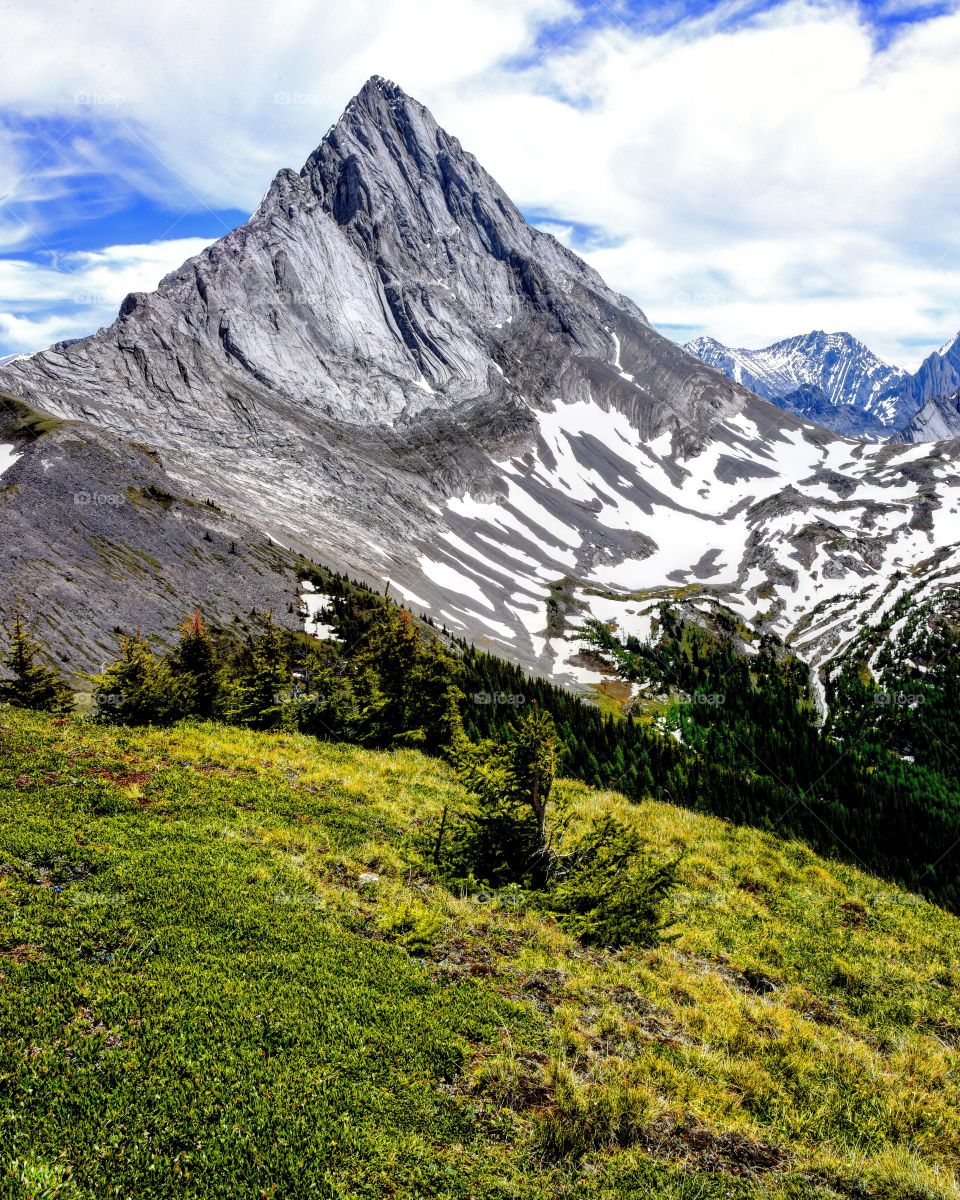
(312, 604)
(8, 456)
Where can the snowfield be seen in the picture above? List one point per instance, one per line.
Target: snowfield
(8, 456)
(799, 531)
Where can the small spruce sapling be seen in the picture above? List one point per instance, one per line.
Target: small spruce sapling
(32, 684)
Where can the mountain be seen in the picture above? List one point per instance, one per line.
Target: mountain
(939, 418)
(813, 374)
(833, 380)
(389, 369)
(938, 375)
(811, 403)
(931, 396)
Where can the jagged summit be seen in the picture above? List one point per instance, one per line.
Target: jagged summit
(379, 85)
(937, 376)
(383, 327)
(830, 377)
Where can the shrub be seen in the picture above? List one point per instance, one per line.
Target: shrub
(608, 891)
(411, 924)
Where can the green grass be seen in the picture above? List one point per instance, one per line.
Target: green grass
(20, 420)
(226, 971)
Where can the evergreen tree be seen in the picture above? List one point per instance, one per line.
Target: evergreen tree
(138, 688)
(195, 664)
(33, 684)
(508, 836)
(393, 686)
(259, 691)
(341, 699)
(532, 766)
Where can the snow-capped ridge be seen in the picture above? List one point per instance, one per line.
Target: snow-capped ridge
(844, 372)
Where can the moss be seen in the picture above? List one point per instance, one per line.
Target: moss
(19, 420)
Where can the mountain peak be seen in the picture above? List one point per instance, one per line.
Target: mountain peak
(950, 346)
(703, 343)
(379, 96)
(819, 337)
(378, 281)
(378, 157)
(379, 84)
(814, 374)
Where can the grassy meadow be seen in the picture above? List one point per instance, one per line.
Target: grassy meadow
(227, 970)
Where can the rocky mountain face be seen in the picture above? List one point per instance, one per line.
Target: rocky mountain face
(939, 418)
(389, 369)
(937, 377)
(833, 380)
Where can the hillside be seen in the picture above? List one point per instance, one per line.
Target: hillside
(98, 535)
(227, 972)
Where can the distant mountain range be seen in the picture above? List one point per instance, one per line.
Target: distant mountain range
(834, 380)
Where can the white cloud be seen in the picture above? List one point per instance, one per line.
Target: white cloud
(780, 177)
(752, 180)
(71, 295)
(226, 92)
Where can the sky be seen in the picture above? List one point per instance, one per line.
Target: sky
(743, 169)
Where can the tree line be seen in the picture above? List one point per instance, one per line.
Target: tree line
(387, 682)
(877, 786)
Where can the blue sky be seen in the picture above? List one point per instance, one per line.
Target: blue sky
(746, 169)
